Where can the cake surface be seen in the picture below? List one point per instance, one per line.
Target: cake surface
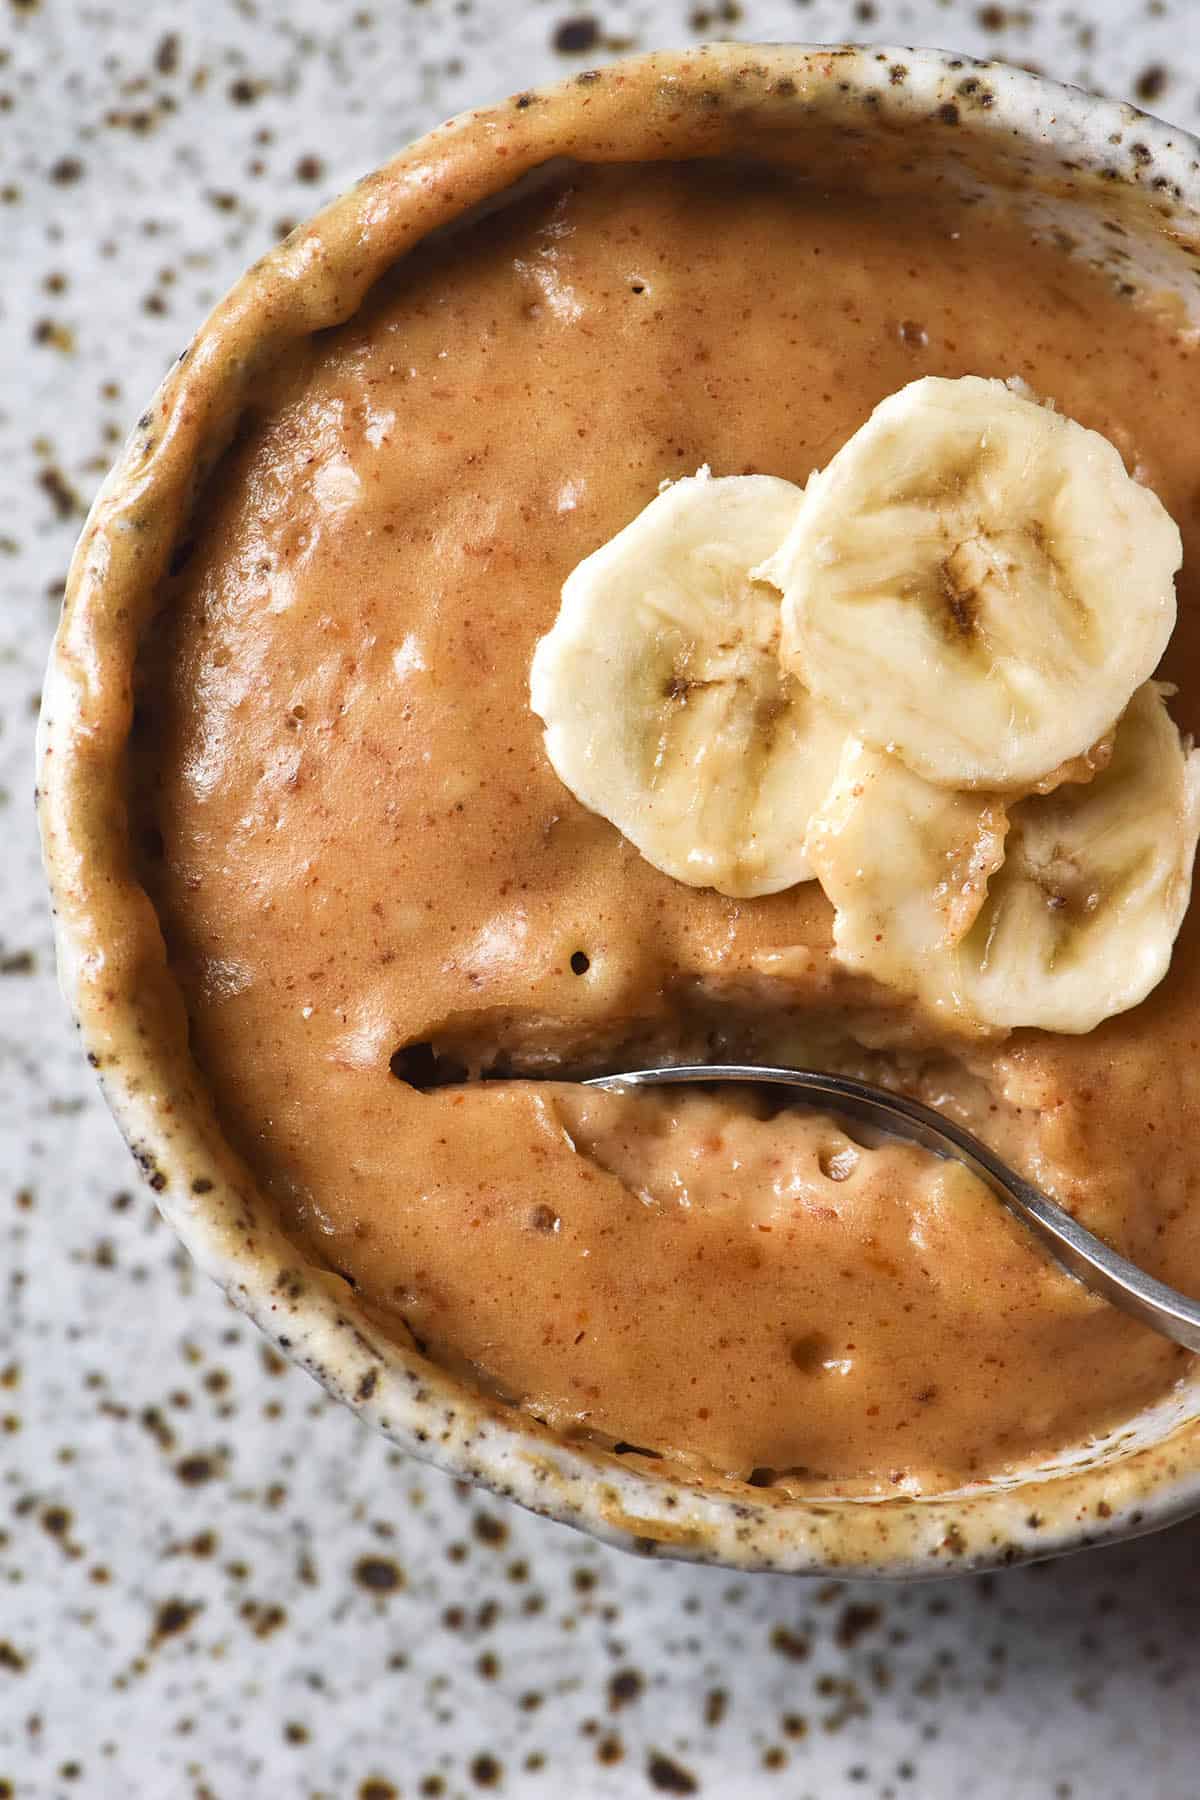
(373, 888)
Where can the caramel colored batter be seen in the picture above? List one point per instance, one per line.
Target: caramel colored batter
(371, 881)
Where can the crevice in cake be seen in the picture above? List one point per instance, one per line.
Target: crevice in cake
(693, 1025)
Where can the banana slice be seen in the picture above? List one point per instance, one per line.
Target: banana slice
(1080, 920)
(976, 583)
(1067, 922)
(907, 866)
(665, 704)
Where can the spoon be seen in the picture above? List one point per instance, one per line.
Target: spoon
(1076, 1250)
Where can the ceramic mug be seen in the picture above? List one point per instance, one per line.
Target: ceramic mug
(1053, 154)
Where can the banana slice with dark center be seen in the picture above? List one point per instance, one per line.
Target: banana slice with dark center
(1057, 912)
(665, 704)
(976, 584)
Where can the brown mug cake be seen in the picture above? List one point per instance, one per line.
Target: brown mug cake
(343, 944)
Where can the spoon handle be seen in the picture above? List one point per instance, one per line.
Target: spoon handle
(1088, 1258)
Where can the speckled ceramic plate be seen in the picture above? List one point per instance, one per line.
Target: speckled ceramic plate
(1052, 153)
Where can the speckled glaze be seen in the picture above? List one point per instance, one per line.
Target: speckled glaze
(1057, 149)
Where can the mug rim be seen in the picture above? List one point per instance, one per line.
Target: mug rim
(117, 984)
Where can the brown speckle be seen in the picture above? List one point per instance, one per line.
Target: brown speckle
(194, 1470)
(56, 1522)
(575, 37)
(790, 1644)
(624, 1688)
(1151, 83)
(54, 334)
(489, 1529)
(485, 1770)
(152, 1420)
(716, 1704)
(378, 1574)
(264, 1617)
(854, 1623)
(668, 1776)
(174, 1616)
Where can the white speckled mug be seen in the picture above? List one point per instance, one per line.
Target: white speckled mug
(1053, 153)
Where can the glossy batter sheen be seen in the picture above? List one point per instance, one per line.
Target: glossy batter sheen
(369, 876)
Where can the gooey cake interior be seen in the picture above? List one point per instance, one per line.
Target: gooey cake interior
(403, 939)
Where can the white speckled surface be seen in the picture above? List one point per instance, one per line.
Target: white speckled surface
(212, 1581)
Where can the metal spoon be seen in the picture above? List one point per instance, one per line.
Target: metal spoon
(1077, 1251)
